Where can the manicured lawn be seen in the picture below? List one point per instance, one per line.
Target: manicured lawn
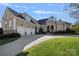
(7, 40)
(67, 46)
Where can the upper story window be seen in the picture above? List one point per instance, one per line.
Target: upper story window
(28, 18)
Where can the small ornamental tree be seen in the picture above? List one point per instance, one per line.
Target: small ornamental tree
(76, 28)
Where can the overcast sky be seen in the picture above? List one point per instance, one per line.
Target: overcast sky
(39, 10)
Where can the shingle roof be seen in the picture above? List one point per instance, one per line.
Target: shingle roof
(34, 21)
(21, 15)
(42, 21)
(67, 23)
(16, 13)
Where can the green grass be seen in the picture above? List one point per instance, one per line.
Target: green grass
(7, 40)
(67, 46)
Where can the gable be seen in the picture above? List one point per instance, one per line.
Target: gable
(24, 16)
(7, 14)
(51, 19)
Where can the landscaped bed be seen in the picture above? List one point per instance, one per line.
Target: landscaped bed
(67, 46)
(7, 38)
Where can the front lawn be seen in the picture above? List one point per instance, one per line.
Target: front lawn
(67, 46)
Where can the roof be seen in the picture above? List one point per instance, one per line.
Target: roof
(16, 13)
(34, 21)
(67, 23)
(21, 15)
(42, 21)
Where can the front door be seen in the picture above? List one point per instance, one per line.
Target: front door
(52, 28)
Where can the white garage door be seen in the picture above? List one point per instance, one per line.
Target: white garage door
(25, 31)
(21, 30)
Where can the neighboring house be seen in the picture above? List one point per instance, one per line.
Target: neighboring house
(18, 22)
(24, 24)
(51, 25)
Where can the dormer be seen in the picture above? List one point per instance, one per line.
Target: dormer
(59, 21)
(52, 19)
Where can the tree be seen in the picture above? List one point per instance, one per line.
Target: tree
(73, 11)
(76, 28)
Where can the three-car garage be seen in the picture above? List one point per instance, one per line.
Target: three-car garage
(25, 30)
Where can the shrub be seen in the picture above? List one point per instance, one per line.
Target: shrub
(58, 32)
(44, 32)
(76, 28)
(40, 30)
(1, 31)
(64, 32)
(23, 54)
(10, 35)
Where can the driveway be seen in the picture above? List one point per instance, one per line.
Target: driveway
(17, 46)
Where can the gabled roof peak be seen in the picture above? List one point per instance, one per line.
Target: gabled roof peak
(15, 13)
(20, 15)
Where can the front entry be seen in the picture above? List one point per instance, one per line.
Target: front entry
(52, 28)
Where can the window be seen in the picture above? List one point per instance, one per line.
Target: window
(52, 27)
(48, 29)
(10, 25)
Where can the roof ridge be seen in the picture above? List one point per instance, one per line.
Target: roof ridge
(16, 13)
(11, 10)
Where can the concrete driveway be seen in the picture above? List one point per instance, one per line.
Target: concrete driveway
(17, 46)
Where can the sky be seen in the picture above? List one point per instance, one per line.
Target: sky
(40, 10)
